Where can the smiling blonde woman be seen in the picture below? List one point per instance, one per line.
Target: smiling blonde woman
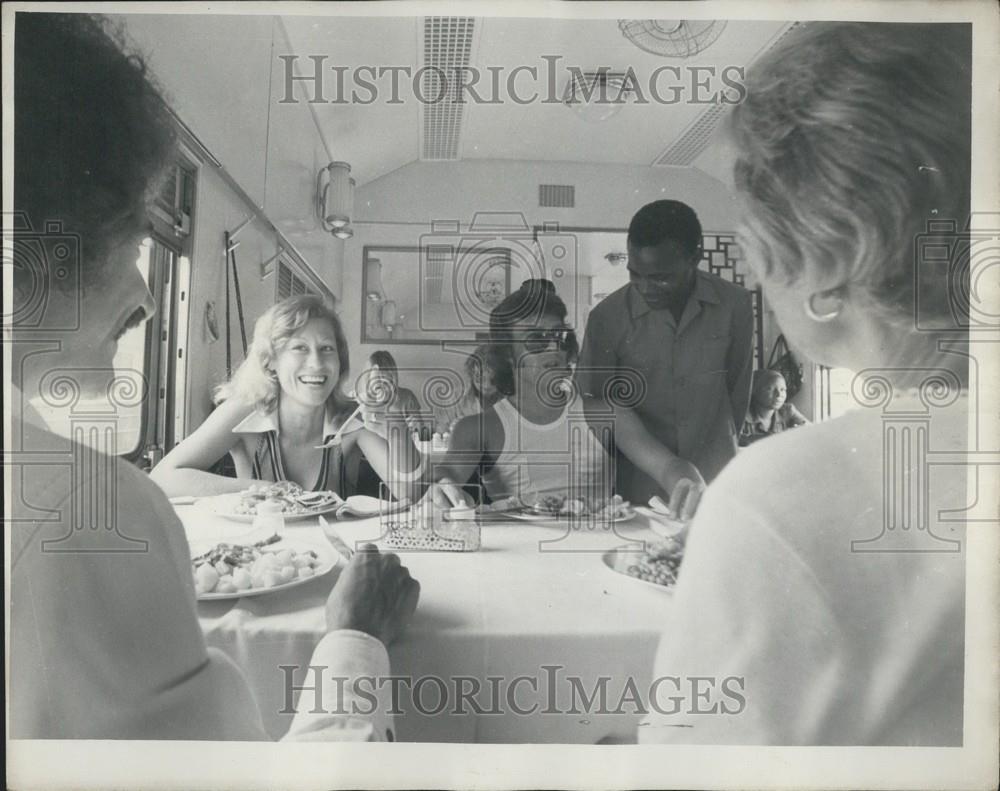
(281, 405)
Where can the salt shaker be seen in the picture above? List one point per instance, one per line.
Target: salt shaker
(269, 519)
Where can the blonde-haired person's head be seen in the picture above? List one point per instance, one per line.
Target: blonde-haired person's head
(851, 138)
(255, 381)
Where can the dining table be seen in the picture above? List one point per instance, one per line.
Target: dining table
(543, 637)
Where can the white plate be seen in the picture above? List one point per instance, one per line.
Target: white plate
(327, 560)
(535, 516)
(663, 525)
(613, 560)
(364, 506)
(225, 505)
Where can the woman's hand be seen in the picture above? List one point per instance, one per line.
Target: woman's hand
(447, 494)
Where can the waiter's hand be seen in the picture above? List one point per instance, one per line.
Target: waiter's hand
(684, 499)
(683, 483)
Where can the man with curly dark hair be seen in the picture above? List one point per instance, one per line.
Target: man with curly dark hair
(105, 641)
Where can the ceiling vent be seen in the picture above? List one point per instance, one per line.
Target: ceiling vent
(686, 148)
(689, 145)
(447, 49)
(558, 196)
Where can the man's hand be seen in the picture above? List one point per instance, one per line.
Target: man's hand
(684, 499)
(375, 594)
(684, 484)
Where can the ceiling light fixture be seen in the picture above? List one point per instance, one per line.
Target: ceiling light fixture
(597, 95)
(335, 199)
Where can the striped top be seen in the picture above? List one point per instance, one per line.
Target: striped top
(267, 462)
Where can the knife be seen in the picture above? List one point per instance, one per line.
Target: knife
(334, 538)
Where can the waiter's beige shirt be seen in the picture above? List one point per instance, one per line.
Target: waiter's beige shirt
(688, 381)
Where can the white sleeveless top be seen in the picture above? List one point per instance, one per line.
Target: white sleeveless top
(559, 458)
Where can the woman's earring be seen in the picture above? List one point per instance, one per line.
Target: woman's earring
(824, 306)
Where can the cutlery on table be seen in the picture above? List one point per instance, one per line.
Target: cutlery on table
(334, 538)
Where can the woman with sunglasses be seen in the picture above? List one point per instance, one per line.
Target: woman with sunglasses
(534, 443)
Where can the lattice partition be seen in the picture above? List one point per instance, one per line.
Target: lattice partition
(721, 256)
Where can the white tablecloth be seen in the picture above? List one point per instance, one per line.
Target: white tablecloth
(534, 596)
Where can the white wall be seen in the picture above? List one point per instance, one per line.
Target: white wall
(399, 208)
(214, 71)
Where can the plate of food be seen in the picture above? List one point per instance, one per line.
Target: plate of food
(558, 507)
(295, 502)
(657, 565)
(233, 571)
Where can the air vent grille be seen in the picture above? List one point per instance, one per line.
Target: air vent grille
(561, 196)
(438, 256)
(690, 144)
(447, 48)
(289, 284)
(686, 148)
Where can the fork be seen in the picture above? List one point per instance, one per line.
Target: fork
(335, 440)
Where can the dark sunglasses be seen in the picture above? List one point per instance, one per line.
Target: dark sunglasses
(540, 340)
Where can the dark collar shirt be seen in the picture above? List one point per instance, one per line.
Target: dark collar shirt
(781, 419)
(689, 381)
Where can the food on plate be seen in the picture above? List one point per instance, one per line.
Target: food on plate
(551, 504)
(659, 564)
(502, 505)
(559, 505)
(229, 568)
(289, 495)
(616, 508)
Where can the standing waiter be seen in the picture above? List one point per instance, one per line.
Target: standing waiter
(683, 338)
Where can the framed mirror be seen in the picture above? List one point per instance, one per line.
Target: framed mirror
(431, 293)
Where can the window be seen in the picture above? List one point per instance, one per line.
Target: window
(159, 351)
(131, 357)
(833, 392)
(175, 201)
(156, 354)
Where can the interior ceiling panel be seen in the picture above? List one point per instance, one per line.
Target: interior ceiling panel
(380, 136)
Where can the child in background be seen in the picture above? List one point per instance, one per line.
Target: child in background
(768, 413)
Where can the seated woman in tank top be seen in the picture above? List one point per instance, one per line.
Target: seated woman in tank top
(280, 407)
(534, 444)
